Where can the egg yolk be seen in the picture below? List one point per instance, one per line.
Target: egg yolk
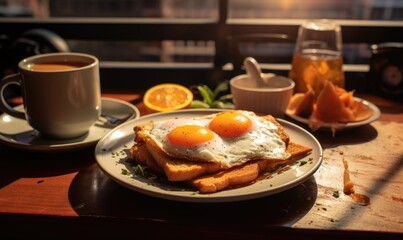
(190, 135)
(230, 124)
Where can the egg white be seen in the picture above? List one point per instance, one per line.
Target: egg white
(262, 142)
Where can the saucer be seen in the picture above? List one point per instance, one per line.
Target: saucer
(17, 132)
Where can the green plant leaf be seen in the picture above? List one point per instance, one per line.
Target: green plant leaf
(222, 87)
(219, 104)
(205, 95)
(226, 98)
(228, 105)
(210, 93)
(199, 104)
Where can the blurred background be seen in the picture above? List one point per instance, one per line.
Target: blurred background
(201, 51)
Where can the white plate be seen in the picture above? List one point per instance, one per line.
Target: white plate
(111, 152)
(340, 126)
(17, 133)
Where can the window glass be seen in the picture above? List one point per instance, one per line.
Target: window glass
(150, 51)
(202, 51)
(112, 8)
(309, 9)
(147, 51)
(288, 9)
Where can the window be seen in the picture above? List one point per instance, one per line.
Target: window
(199, 35)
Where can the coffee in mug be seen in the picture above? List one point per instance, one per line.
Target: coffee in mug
(56, 66)
(61, 93)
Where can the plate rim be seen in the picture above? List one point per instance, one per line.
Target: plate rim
(202, 198)
(375, 116)
(66, 146)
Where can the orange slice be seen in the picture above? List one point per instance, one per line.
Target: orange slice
(335, 104)
(302, 104)
(167, 97)
(331, 108)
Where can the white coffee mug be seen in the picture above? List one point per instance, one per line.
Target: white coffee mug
(272, 97)
(61, 93)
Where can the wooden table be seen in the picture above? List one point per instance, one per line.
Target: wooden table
(66, 195)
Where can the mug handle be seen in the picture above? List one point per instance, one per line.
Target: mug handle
(4, 106)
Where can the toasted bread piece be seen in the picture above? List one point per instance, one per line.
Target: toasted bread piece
(283, 134)
(205, 176)
(239, 175)
(146, 152)
(177, 169)
(247, 173)
(141, 155)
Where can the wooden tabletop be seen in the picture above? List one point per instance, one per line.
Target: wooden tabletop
(65, 194)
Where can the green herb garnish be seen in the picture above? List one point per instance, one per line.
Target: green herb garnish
(139, 170)
(336, 194)
(214, 99)
(125, 172)
(279, 166)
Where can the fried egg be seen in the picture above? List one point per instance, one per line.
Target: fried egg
(229, 138)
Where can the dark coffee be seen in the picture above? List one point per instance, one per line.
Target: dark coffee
(56, 66)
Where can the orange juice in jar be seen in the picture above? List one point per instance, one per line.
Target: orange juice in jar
(312, 67)
(317, 56)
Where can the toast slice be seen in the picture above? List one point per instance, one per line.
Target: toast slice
(175, 169)
(246, 173)
(207, 177)
(145, 151)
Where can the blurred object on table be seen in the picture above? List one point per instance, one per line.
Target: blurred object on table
(386, 70)
(32, 42)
